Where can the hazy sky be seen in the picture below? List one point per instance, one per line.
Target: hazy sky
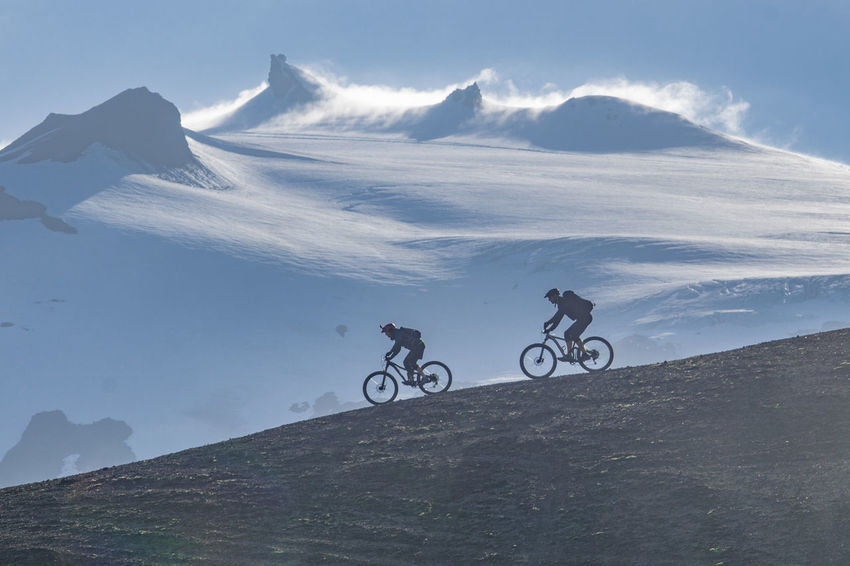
(786, 59)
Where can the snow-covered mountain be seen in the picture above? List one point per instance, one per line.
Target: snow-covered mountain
(289, 88)
(203, 295)
(608, 124)
(294, 100)
(139, 124)
(136, 131)
(590, 123)
(454, 115)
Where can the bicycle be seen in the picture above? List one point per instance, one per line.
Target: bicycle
(538, 361)
(381, 387)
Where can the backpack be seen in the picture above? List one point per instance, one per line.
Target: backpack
(409, 336)
(579, 301)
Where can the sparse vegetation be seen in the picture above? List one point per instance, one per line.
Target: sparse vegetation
(733, 458)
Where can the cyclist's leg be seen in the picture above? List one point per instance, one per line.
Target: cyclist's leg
(410, 364)
(570, 335)
(410, 361)
(575, 331)
(585, 322)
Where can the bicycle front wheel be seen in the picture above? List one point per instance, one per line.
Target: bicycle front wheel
(380, 387)
(437, 378)
(601, 354)
(538, 361)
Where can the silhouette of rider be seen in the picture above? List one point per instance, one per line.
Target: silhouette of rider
(575, 308)
(405, 338)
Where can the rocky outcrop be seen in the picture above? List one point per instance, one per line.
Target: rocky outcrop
(138, 123)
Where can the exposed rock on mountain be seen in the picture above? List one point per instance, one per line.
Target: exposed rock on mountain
(138, 123)
(449, 116)
(289, 88)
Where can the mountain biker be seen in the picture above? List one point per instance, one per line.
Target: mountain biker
(577, 309)
(407, 338)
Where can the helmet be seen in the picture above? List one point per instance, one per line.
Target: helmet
(387, 327)
(552, 292)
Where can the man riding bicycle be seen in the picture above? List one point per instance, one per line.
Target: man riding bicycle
(577, 309)
(407, 338)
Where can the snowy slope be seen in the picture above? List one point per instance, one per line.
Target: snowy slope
(198, 307)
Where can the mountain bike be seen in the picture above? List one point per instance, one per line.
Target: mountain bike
(539, 361)
(381, 387)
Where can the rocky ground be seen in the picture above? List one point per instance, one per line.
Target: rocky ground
(741, 457)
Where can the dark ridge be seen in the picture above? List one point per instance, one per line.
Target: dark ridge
(738, 457)
(137, 122)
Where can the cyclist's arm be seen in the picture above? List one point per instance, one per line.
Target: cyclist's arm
(553, 322)
(394, 352)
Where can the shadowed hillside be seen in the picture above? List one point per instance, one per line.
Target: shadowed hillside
(732, 458)
(136, 122)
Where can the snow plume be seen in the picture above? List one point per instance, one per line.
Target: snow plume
(504, 92)
(348, 104)
(718, 110)
(206, 117)
(380, 97)
(344, 103)
(352, 105)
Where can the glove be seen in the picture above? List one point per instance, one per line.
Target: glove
(388, 355)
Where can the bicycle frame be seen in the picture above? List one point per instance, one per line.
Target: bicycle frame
(391, 364)
(399, 369)
(557, 340)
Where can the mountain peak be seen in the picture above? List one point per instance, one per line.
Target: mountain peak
(469, 96)
(290, 82)
(136, 122)
(289, 88)
(449, 116)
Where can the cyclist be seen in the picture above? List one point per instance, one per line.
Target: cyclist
(407, 338)
(577, 309)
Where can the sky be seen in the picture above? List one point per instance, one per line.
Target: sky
(781, 63)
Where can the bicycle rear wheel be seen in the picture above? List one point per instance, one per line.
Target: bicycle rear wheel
(538, 361)
(438, 376)
(380, 388)
(601, 354)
